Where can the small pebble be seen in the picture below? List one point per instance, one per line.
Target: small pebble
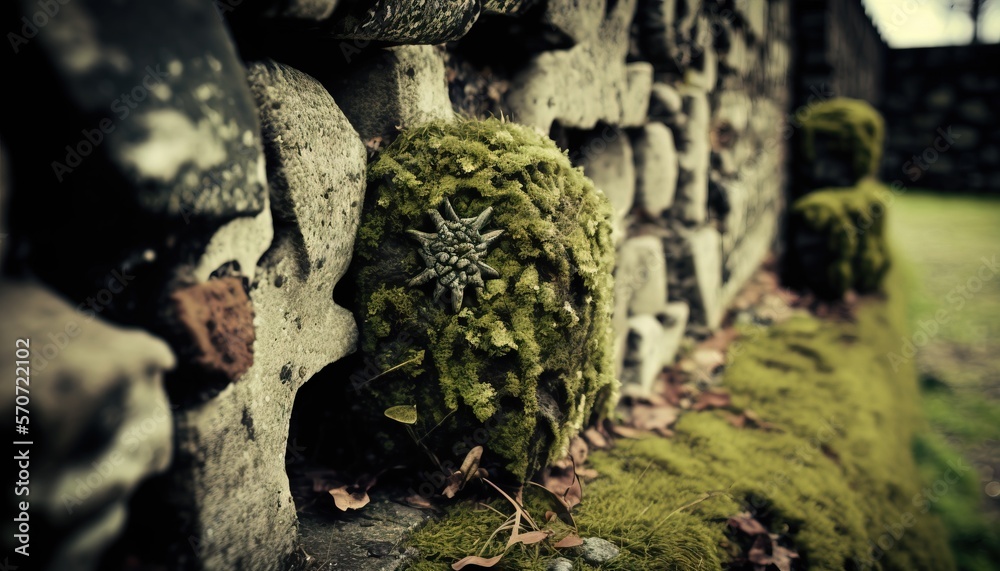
(560, 564)
(597, 551)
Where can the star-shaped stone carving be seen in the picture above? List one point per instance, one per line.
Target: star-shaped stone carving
(455, 253)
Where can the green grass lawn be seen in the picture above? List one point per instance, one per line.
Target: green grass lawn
(946, 246)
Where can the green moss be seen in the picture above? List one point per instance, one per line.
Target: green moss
(849, 128)
(840, 238)
(837, 479)
(529, 357)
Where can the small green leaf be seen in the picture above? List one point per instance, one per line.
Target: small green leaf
(407, 414)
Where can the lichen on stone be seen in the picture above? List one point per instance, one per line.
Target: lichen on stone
(527, 360)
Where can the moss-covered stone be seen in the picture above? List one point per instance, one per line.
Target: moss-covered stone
(526, 357)
(842, 143)
(837, 479)
(838, 238)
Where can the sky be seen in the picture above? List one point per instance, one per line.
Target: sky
(919, 23)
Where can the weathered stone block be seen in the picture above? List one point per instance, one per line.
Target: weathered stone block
(694, 266)
(653, 342)
(580, 86)
(579, 20)
(705, 74)
(635, 106)
(666, 105)
(506, 7)
(613, 172)
(183, 131)
(656, 169)
(404, 21)
(691, 200)
(674, 318)
(643, 355)
(397, 87)
(641, 275)
(233, 446)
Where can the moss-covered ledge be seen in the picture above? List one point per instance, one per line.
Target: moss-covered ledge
(838, 481)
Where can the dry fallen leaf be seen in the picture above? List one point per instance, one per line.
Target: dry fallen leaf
(711, 399)
(595, 438)
(470, 466)
(749, 418)
(627, 431)
(674, 389)
(420, 502)
(476, 560)
(528, 538)
(571, 540)
(765, 551)
(561, 479)
(350, 500)
(465, 474)
(664, 432)
(746, 523)
(453, 484)
(353, 496)
(647, 417)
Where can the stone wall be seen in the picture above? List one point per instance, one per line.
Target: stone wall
(941, 114)
(839, 49)
(838, 53)
(195, 172)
